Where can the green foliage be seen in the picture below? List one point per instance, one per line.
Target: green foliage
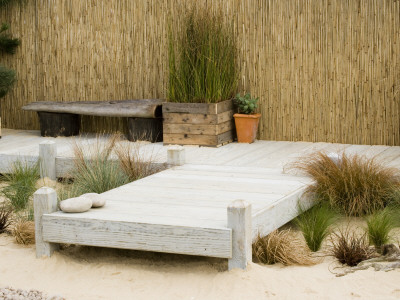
(246, 104)
(349, 247)
(21, 179)
(94, 172)
(7, 43)
(314, 224)
(7, 2)
(354, 185)
(202, 60)
(379, 226)
(7, 80)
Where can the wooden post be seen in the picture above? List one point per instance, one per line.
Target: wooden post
(47, 157)
(176, 156)
(44, 202)
(239, 220)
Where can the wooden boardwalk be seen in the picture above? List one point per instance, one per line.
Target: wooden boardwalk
(22, 144)
(185, 209)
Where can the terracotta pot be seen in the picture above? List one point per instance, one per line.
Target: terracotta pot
(246, 127)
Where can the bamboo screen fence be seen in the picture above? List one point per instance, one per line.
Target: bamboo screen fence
(324, 70)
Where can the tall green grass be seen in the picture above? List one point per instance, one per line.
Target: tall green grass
(202, 59)
(21, 184)
(355, 185)
(379, 226)
(315, 224)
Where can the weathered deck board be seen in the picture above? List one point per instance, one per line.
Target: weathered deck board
(213, 242)
(184, 209)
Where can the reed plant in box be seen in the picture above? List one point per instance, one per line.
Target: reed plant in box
(202, 60)
(203, 77)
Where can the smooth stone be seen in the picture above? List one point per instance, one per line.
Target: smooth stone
(97, 199)
(76, 205)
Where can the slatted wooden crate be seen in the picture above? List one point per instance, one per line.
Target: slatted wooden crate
(198, 123)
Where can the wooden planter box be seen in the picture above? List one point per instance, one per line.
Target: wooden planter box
(198, 123)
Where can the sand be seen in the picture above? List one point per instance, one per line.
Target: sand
(97, 273)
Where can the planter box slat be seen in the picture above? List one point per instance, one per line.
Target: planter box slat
(199, 129)
(198, 108)
(198, 123)
(198, 139)
(197, 119)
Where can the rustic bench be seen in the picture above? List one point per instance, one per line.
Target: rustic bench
(63, 118)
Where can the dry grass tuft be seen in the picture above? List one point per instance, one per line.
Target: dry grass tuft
(355, 185)
(281, 246)
(94, 170)
(5, 218)
(135, 162)
(24, 232)
(349, 247)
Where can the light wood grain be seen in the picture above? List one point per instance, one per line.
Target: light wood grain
(198, 108)
(139, 236)
(141, 108)
(197, 119)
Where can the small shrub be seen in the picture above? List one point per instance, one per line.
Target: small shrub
(24, 232)
(5, 218)
(379, 226)
(349, 247)
(281, 246)
(315, 223)
(246, 104)
(94, 171)
(356, 186)
(21, 185)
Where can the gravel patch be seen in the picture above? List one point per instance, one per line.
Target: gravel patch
(9, 293)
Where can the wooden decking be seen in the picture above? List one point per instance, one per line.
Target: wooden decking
(184, 209)
(20, 144)
(190, 200)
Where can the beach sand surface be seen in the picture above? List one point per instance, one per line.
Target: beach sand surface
(79, 272)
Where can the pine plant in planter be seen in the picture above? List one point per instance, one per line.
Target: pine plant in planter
(246, 120)
(202, 82)
(8, 45)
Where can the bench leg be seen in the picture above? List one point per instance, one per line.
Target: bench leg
(145, 129)
(58, 124)
(44, 202)
(239, 220)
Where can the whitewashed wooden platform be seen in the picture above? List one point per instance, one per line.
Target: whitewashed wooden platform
(184, 209)
(23, 144)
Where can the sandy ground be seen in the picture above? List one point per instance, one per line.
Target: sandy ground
(77, 272)
(98, 273)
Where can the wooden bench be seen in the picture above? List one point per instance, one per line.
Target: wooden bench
(63, 118)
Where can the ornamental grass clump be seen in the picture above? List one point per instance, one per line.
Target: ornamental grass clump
(24, 232)
(21, 184)
(94, 171)
(315, 224)
(281, 246)
(5, 218)
(135, 162)
(354, 185)
(350, 247)
(202, 59)
(379, 226)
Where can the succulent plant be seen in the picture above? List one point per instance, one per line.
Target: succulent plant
(246, 104)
